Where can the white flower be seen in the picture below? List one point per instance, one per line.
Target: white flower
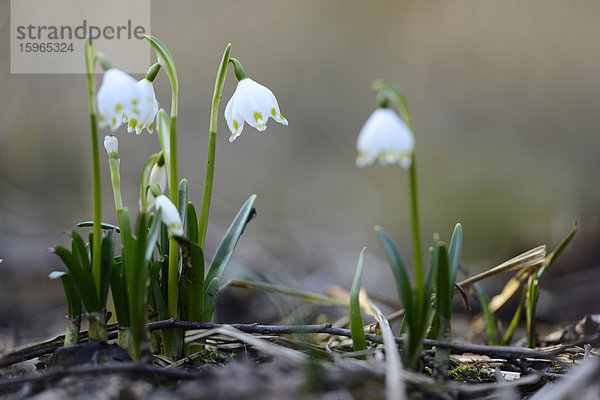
(169, 215)
(158, 176)
(111, 144)
(385, 137)
(118, 96)
(147, 108)
(252, 103)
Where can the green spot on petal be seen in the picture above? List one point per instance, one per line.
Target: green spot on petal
(257, 116)
(235, 125)
(119, 107)
(273, 112)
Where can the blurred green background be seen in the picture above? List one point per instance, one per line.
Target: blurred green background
(505, 97)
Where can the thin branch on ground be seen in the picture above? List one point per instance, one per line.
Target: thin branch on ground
(507, 352)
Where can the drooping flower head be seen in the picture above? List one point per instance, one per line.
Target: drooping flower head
(147, 109)
(169, 215)
(385, 137)
(252, 103)
(118, 97)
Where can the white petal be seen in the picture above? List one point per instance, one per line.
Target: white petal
(116, 98)
(111, 144)
(252, 103)
(56, 274)
(385, 137)
(158, 176)
(235, 122)
(148, 106)
(169, 215)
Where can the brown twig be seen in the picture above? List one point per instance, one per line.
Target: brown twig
(37, 350)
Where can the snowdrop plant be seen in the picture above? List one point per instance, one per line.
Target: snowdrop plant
(252, 103)
(161, 266)
(388, 138)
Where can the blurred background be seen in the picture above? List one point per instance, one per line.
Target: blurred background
(505, 98)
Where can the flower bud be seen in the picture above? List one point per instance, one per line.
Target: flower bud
(111, 144)
(169, 215)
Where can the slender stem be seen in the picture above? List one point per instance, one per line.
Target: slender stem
(414, 203)
(212, 139)
(173, 286)
(115, 176)
(415, 227)
(208, 185)
(97, 189)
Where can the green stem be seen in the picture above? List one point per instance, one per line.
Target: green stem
(173, 288)
(212, 139)
(415, 227)
(115, 177)
(90, 63)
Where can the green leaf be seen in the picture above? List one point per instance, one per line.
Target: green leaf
(103, 225)
(444, 295)
(514, 323)
(192, 282)
(454, 252)
(211, 293)
(403, 285)
(136, 284)
(107, 254)
(356, 322)
(297, 294)
(490, 323)
(119, 295)
(83, 280)
(161, 304)
(128, 249)
(192, 223)
(72, 296)
(80, 251)
(227, 245)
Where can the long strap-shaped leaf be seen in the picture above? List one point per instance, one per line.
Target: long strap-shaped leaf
(356, 322)
(107, 254)
(83, 280)
(405, 292)
(224, 252)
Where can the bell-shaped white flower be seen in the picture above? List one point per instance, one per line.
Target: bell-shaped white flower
(117, 97)
(158, 176)
(385, 137)
(148, 107)
(169, 215)
(252, 103)
(111, 144)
